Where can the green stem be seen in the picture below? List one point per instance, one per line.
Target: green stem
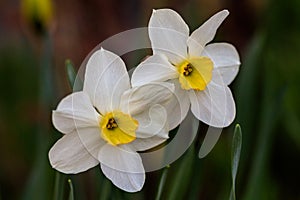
(106, 189)
(57, 186)
(162, 182)
(71, 194)
(264, 142)
(183, 175)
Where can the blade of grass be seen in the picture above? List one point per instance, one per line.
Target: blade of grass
(71, 194)
(37, 186)
(105, 189)
(57, 193)
(264, 141)
(183, 175)
(74, 81)
(235, 157)
(162, 182)
(71, 74)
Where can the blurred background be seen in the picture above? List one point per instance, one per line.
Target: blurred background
(37, 36)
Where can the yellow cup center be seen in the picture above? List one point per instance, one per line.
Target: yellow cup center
(118, 128)
(195, 73)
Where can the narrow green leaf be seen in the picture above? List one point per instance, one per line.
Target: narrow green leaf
(74, 80)
(183, 175)
(57, 186)
(235, 157)
(162, 182)
(270, 115)
(70, 72)
(71, 194)
(105, 189)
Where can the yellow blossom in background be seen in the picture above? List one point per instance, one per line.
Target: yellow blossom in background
(38, 13)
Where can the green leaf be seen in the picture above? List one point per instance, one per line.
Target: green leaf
(183, 175)
(57, 193)
(270, 114)
(162, 182)
(106, 189)
(70, 72)
(74, 81)
(71, 194)
(235, 157)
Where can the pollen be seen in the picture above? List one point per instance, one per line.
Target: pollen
(111, 124)
(118, 128)
(195, 73)
(187, 70)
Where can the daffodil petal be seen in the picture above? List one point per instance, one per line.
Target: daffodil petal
(168, 34)
(123, 167)
(225, 58)
(91, 139)
(179, 105)
(152, 122)
(153, 129)
(68, 155)
(106, 78)
(214, 106)
(141, 98)
(156, 68)
(129, 182)
(121, 158)
(74, 111)
(205, 33)
(145, 144)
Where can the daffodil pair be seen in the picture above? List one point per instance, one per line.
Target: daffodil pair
(113, 117)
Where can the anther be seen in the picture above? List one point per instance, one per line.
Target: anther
(111, 124)
(187, 69)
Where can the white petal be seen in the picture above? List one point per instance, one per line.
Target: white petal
(91, 140)
(179, 105)
(123, 167)
(121, 158)
(106, 78)
(141, 98)
(156, 68)
(74, 111)
(168, 34)
(153, 128)
(225, 58)
(148, 143)
(68, 155)
(214, 106)
(205, 33)
(152, 121)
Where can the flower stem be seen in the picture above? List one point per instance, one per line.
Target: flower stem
(57, 186)
(162, 182)
(106, 189)
(71, 194)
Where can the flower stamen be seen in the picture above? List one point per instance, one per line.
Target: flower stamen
(111, 124)
(195, 73)
(118, 128)
(187, 70)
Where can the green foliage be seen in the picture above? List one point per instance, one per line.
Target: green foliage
(267, 97)
(162, 183)
(74, 81)
(235, 157)
(71, 193)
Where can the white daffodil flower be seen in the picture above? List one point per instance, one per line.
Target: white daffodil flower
(108, 122)
(200, 71)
